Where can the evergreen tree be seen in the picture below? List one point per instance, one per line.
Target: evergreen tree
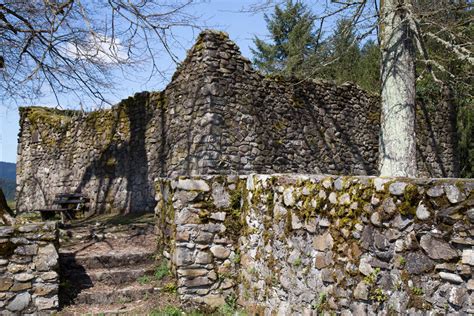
(368, 68)
(344, 54)
(293, 41)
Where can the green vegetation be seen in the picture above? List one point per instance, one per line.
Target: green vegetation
(230, 308)
(144, 279)
(291, 29)
(236, 258)
(417, 290)
(167, 311)
(321, 304)
(371, 279)
(170, 287)
(297, 262)
(402, 261)
(162, 270)
(378, 295)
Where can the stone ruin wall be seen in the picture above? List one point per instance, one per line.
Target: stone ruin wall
(217, 116)
(308, 245)
(29, 280)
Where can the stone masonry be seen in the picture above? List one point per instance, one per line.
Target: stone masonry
(306, 245)
(217, 116)
(29, 278)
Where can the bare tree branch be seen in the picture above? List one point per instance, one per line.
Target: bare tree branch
(73, 46)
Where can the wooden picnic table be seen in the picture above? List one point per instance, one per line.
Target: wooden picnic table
(68, 204)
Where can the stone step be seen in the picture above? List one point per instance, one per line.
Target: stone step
(74, 236)
(126, 309)
(112, 294)
(113, 276)
(70, 260)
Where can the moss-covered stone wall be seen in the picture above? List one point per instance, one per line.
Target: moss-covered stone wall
(29, 280)
(299, 244)
(111, 155)
(217, 116)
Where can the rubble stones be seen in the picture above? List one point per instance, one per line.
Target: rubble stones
(397, 188)
(435, 191)
(389, 206)
(47, 258)
(457, 296)
(220, 252)
(418, 263)
(454, 194)
(437, 248)
(23, 277)
(451, 277)
(323, 242)
(192, 185)
(364, 266)
(376, 219)
(361, 291)
(288, 197)
(422, 212)
(30, 269)
(468, 256)
(5, 283)
(46, 303)
(20, 302)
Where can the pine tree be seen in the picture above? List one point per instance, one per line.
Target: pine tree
(368, 68)
(293, 41)
(344, 54)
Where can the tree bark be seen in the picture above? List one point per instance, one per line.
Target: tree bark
(397, 140)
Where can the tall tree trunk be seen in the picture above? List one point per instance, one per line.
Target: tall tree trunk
(397, 141)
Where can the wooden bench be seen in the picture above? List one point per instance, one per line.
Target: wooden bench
(68, 204)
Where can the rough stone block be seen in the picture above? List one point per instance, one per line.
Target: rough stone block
(220, 252)
(5, 283)
(437, 248)
(19, 303)
(193, 185)
(47, 258)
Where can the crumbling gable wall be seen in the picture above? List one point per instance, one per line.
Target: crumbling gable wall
(217, 116)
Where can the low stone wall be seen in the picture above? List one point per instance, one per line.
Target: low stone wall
(28, 264)
(296, 244)
(199, 226)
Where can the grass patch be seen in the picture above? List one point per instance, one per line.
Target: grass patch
(162, 270)
(167, 311)
(230, 307)
(170, 287)
(144, 279)
(28, 217)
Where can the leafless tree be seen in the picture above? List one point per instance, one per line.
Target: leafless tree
(73, 46)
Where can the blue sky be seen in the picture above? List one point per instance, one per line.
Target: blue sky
(217, 14)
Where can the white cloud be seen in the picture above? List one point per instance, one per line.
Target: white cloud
(98, 48)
